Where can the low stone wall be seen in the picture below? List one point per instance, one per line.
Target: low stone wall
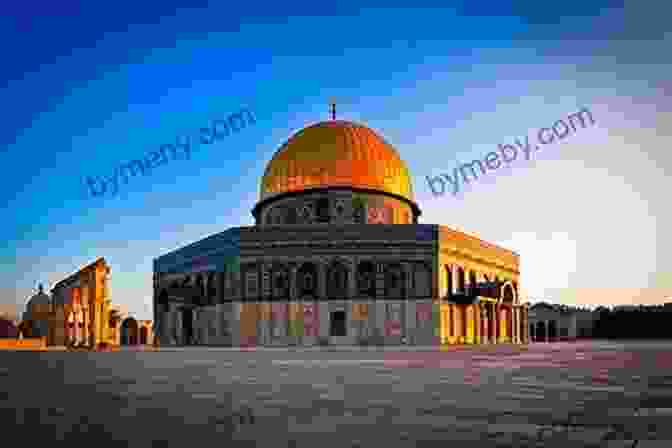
(23, 344)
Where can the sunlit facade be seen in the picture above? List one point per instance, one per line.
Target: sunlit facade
(337, 256)
(80, 312)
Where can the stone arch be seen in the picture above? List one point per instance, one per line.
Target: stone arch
(516, 296)
(307, 280)
(461, 281)
(395, 281)
(366, 285)
(337, 280)
(129, 331)
(507, 294)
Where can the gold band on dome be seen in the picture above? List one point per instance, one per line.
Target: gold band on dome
(336, 153)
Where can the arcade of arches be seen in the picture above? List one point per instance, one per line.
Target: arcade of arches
(80, 312)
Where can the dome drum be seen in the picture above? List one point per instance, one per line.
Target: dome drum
(336, 205)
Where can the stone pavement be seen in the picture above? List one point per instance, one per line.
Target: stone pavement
(564, 394)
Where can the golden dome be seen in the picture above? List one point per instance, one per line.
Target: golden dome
(336, 154)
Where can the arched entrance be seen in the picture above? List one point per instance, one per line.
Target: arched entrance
(507, 296)
(143, 335)
(129, 332)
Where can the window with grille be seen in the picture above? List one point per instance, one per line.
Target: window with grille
(251, 283)
(307, 281)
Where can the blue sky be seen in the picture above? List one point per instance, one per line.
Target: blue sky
(89, 86)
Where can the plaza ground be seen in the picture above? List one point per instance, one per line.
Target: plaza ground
(591, 393)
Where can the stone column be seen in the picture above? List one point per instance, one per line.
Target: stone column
(321, 281)
(443, 280)
(486, 322)
(495, 322)
(85, 335)
(464, 315)
(293, 288)
(89, 325)
(473, 310)
(511, 326)
(519, 333)
(481, 319)
(352, 281)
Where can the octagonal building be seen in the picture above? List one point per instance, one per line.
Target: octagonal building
(337, 257)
